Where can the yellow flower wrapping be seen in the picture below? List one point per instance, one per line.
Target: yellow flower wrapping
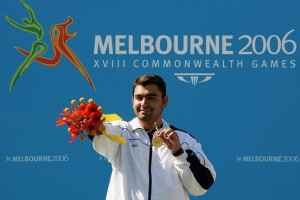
(114, 138)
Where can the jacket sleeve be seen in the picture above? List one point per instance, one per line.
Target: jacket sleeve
(104, 146)
(196, 172)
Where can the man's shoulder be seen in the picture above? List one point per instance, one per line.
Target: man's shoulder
(118, 123)
(187, 141)
(184, 133)
(129, 125)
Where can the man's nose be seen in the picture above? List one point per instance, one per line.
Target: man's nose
(145, 102)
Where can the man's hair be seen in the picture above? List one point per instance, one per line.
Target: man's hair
(151, 79)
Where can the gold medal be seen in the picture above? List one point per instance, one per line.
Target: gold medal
(157, 142)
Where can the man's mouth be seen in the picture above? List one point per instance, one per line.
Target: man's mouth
(145, 110)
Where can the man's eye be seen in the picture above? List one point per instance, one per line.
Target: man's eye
(151, 98)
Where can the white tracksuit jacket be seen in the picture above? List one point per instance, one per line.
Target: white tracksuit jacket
(143, 172)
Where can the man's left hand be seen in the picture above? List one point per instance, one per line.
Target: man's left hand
(170, 138)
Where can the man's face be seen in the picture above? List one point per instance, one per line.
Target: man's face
(148, 104)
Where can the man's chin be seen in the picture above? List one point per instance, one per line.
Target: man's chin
(145, 118)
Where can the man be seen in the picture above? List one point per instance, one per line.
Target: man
(141, 171)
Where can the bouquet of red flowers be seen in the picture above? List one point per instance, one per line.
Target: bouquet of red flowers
(86, 119)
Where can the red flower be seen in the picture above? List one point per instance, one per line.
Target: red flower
(90, 108)
(96, 118)
(77, 114)
(67, 115)
(82, 107)
(73, 137)
(76, 128)
(62, 122)
(90, 127)
(82, 119)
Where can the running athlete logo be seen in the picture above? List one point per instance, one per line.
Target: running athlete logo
(59, 37)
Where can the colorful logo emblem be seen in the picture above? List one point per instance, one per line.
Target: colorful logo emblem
(59, 37)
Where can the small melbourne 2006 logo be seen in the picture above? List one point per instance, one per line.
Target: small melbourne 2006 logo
(59, 37)
(194, 77)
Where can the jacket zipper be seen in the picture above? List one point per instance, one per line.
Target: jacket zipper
(149, 168)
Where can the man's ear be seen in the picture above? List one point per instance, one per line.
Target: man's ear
(165, 101)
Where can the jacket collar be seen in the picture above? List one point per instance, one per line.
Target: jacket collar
(135, 124)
